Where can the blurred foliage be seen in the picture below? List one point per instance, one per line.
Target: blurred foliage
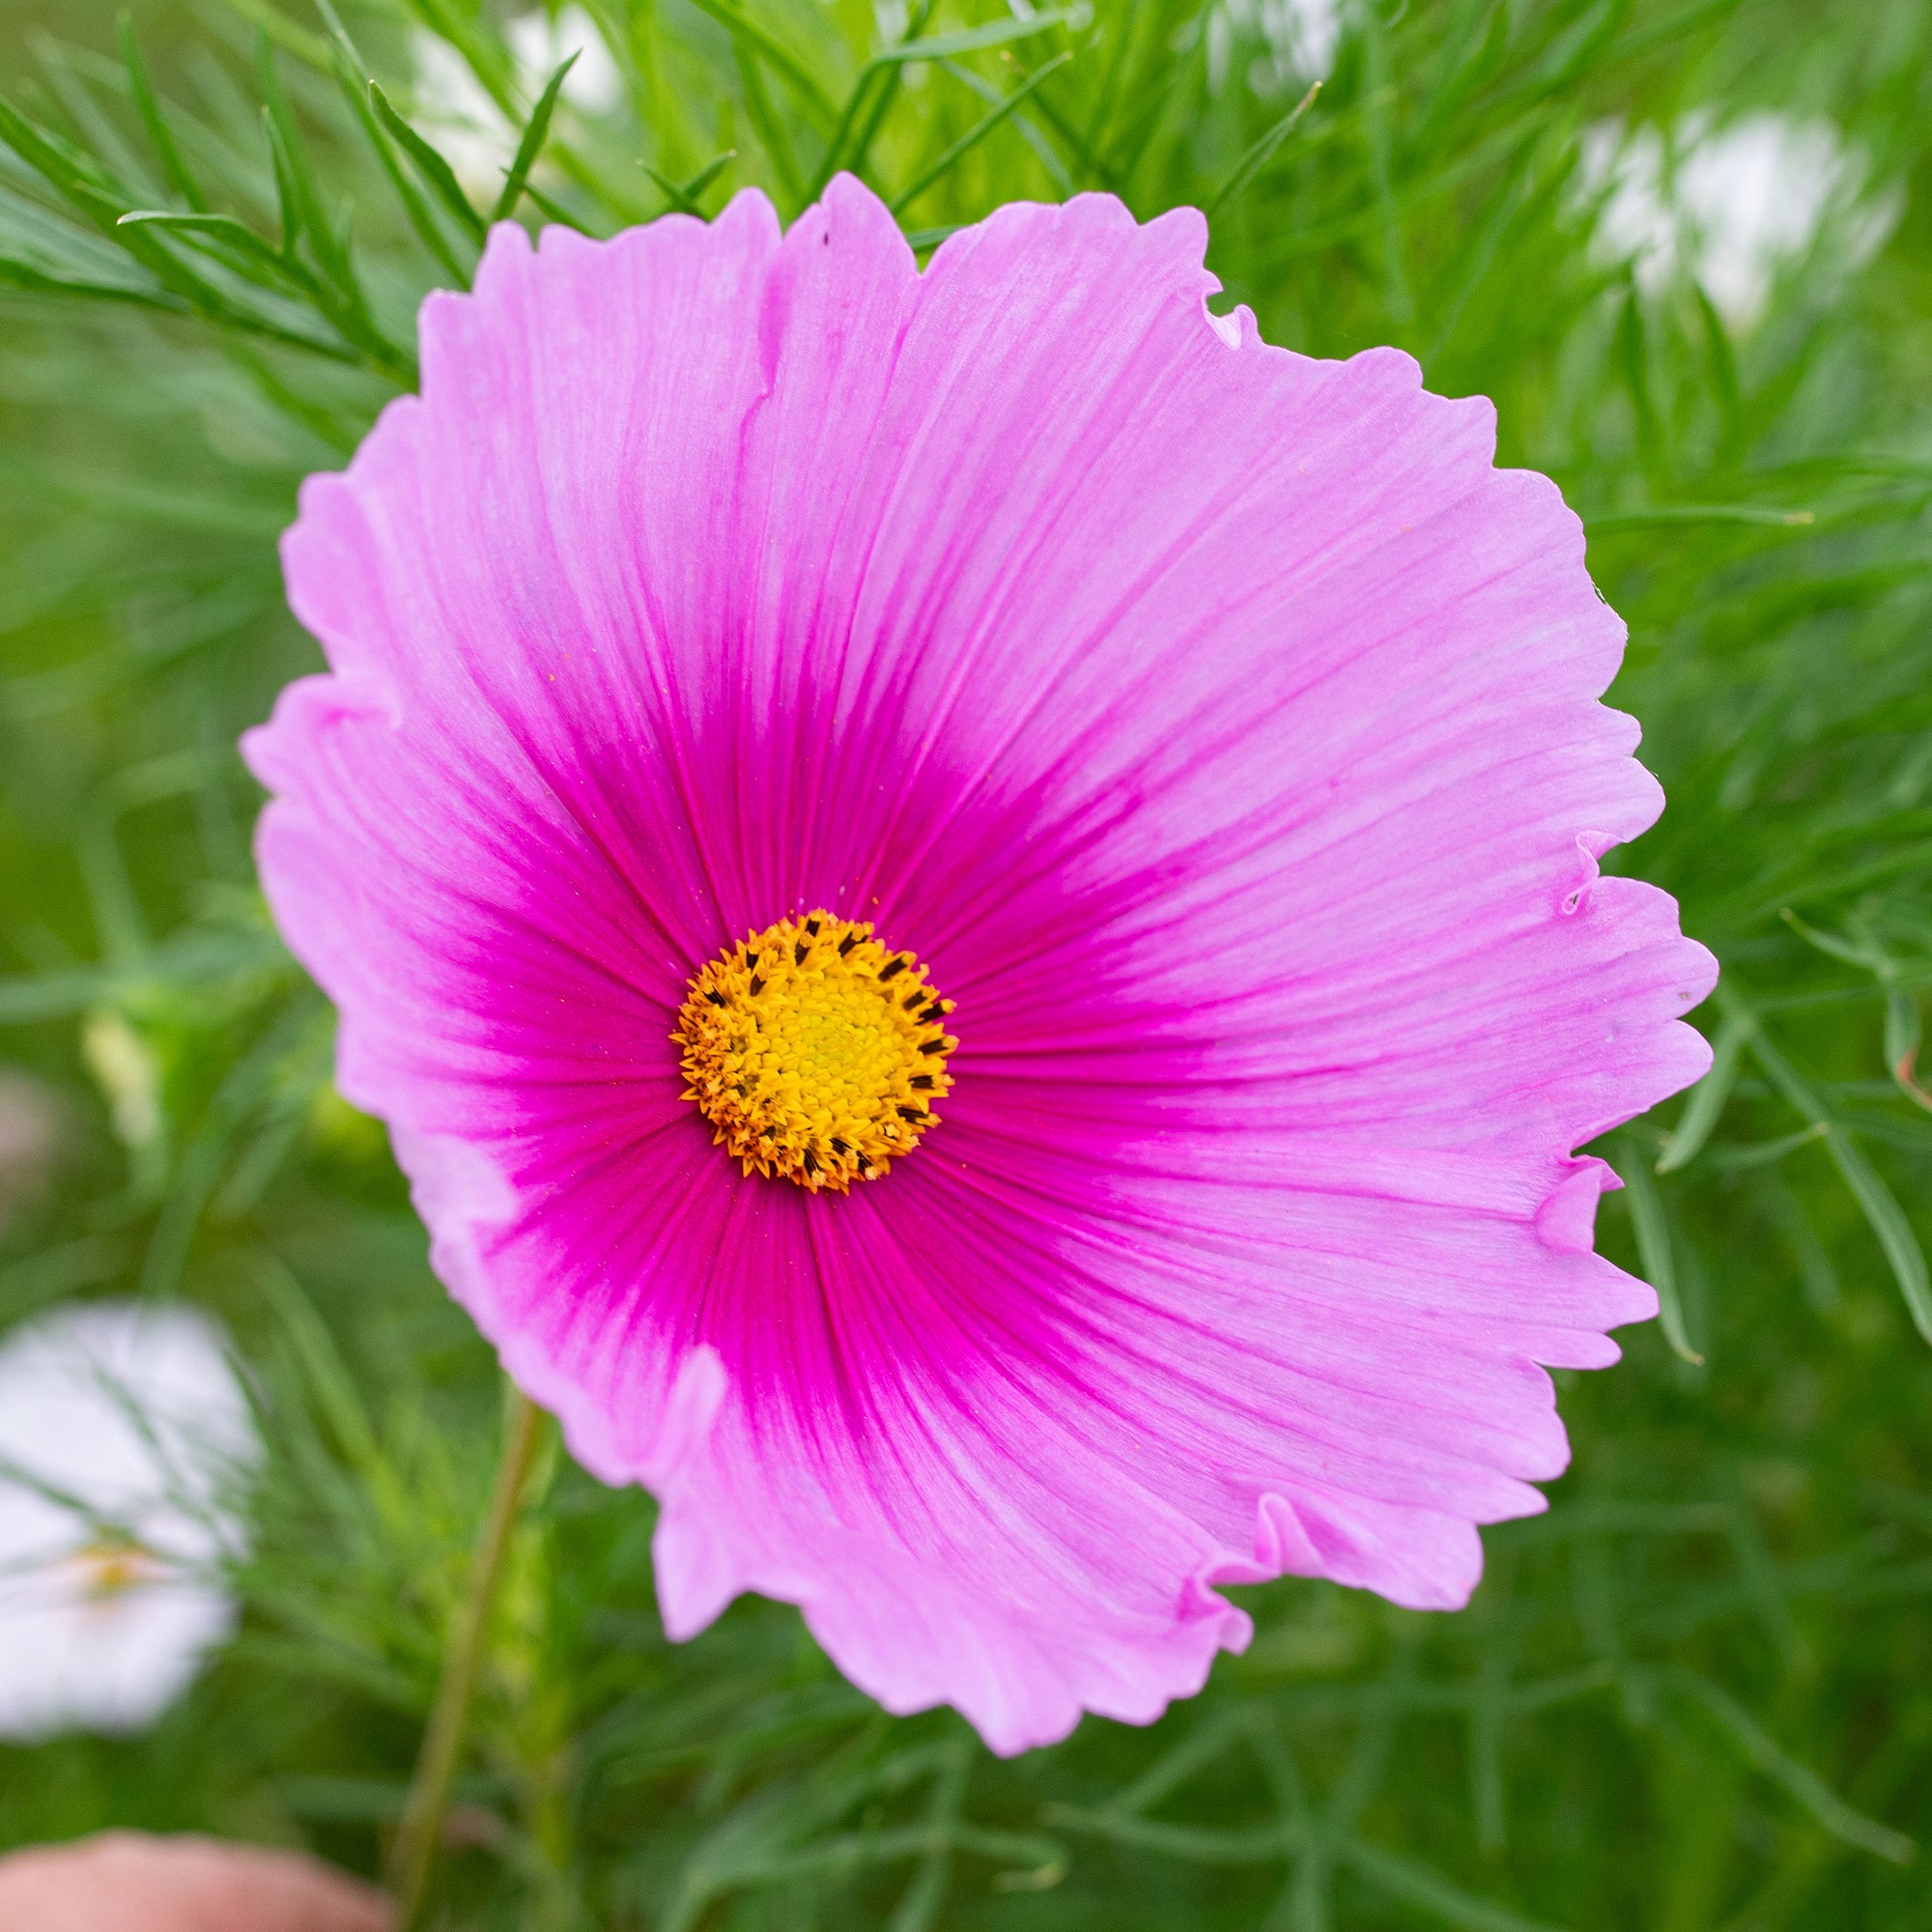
(1691, 1697)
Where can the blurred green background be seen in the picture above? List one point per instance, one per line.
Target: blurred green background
(1688, 250)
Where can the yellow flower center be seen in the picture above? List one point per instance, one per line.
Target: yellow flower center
(112, 1566)
(815, 1052)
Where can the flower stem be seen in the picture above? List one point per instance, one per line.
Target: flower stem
(413, 1850)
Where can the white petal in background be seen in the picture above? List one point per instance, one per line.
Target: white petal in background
(1297, 42)
(1730, 207)
(468, 128)
(123, 1432)
(541, 45)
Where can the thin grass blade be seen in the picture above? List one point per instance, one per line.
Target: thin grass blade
(978, 132)
(532, 144)
(1708, 1099)
(1651, 1228)
(436, 173)
(1798, 1780)
(1260, 154)
(160, 137)
(745, 30)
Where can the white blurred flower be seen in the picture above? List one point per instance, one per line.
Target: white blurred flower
(1730, 205)
(121, 1425)
(465, 125)
(1299, 39)
(457, 116)
(541, 44)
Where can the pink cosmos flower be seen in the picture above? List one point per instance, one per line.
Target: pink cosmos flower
(1215, 729)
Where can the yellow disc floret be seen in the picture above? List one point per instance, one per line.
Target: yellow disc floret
(815, 1052)
(112, 1566)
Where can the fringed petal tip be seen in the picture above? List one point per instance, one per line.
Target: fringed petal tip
(1422, 1560)
(912, 1637)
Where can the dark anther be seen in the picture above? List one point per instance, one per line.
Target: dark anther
(912, 1114)
(913, 999)
(921, 1080)
(838, 1145)
(750, 958)
(799, 951)
(772, 1132)
(936, 1011)
(810, 1161)
(892, 971)
(934, 1046)
(758, 985)
(716, 998)
(846, 944)
(811, 927)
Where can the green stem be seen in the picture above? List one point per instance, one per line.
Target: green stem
(413, 1852)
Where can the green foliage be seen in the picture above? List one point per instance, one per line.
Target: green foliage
(1693, 1694)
